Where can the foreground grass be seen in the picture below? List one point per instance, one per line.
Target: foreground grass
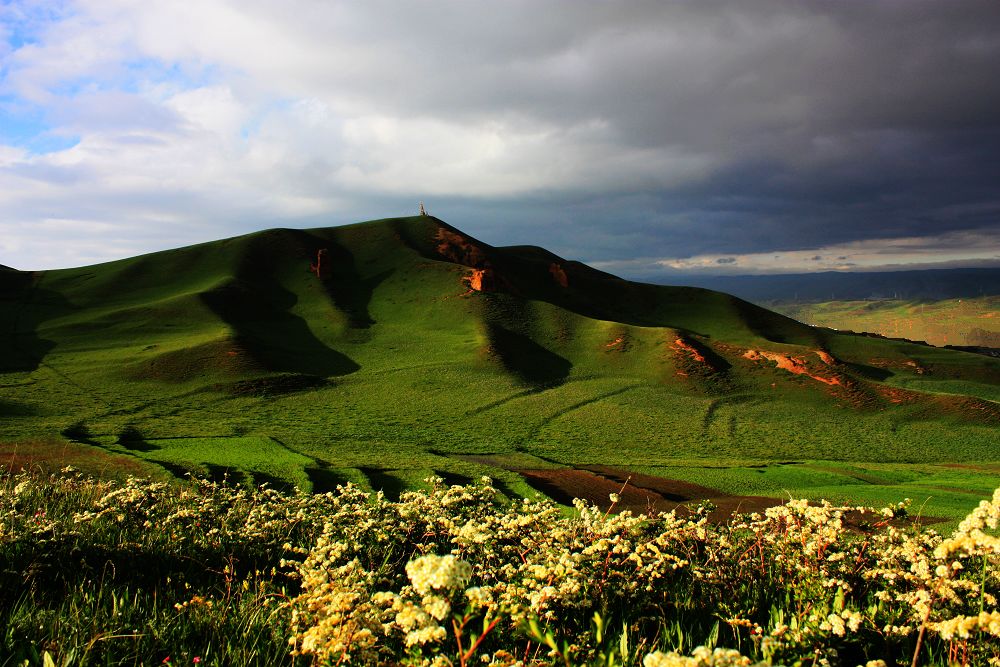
(142, 572)
(139, 572)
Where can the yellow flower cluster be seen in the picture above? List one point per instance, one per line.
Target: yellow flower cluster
(700, 657)
(437, 573)
(964, 626)
(477, 556)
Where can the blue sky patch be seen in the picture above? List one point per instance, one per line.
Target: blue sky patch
(23, 21)
(28, 130)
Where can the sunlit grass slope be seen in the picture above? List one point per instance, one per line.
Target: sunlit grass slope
(384, 351)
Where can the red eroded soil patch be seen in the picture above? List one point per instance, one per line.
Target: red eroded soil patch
(559, 275)
(459, 249)
(899, 396)
(642, 494)
(683, 495)
(685, 347)
(968, 407)
(690, 361)
(699, 364)
(619, 344)
(50, 456)
(565, 484)
(900, 364)
(795, 365)
(319, 267)
(482, 280)
(934, 405)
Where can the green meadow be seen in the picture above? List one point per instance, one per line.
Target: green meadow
(384, 352)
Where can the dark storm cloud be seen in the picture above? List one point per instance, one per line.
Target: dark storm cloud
(822, 122)
(605, 131)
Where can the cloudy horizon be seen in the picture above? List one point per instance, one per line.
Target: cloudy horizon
(715, 136)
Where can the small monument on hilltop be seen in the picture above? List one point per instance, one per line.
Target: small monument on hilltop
(422, 210)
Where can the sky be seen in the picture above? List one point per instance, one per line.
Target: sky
(645, 137)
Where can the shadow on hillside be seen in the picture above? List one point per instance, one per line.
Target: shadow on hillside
(870, 372)
(178, 470)
(535, 274)
(713, 360)
(324, 479)
(504, 488)
(23, 308)
(281, 341)
(453, 478)
(382, 480)
(349, 292)
(134, 441)
(774, 327)
(274, 385)
(227, 475)
(16, 409)
(531, 363)
(272, 481)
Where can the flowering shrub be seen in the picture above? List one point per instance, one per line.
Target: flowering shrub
(460, 575)
(792, 584)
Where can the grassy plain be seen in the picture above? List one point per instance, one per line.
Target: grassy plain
(969, 321)
(384, 365)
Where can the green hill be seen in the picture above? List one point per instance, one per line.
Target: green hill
(386, 351)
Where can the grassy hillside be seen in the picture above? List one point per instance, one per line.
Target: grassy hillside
(384, 351)
(974, 321)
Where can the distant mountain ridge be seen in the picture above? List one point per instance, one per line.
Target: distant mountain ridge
(845, 286)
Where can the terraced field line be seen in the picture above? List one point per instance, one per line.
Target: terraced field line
(89, 392)
(716, 403)
(530, 392)
(507, 399)
(397, 369)
(18, 384)
(952, 489)
(867, 479)
(582, 404)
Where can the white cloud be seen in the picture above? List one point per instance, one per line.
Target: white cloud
(223, 116)
(950, 249)
(216, 108)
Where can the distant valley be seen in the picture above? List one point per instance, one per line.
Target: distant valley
(959, 307)
(968, 322)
